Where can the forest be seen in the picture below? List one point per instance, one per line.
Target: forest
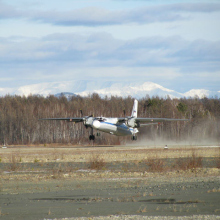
(20, 124)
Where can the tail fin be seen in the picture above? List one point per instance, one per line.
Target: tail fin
(135, 109)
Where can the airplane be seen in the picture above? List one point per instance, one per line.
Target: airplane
(117, 126)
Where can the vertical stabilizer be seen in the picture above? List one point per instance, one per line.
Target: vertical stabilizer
(135, 109)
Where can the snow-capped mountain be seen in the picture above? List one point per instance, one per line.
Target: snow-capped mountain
(141, 89)
(202, 93)
(109, 88)
(137, 90)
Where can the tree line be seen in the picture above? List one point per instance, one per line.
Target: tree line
(20, 125)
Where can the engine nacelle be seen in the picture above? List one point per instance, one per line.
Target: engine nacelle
(132, 123)
(88, 121)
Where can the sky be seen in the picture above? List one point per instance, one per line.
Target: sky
(172, 43)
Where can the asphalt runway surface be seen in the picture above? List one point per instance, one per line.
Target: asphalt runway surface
(108, 197)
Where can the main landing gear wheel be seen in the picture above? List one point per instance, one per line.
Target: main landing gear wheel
(134, 138)
(92, 137)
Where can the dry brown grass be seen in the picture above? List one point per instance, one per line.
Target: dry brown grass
(129, 162)
(142, 209)
(192, 162)
(96, 162)
(60, 170)
(213, 190)
(121, 153)
(156, 165)
(218, 163)
(218, 159)
(14, 163)
(49, 212)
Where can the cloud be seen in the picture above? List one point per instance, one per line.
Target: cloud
(78, 55)
(103, 50)
(94, 16)
(8, 12)
(195, 7)
(102, 47)
(199, 55)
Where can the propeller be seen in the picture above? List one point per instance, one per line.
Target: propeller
(81, 112)
(87, 120)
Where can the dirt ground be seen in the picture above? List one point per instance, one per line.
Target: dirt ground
(39, 182)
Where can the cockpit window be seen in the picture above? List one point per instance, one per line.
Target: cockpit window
(101, 119)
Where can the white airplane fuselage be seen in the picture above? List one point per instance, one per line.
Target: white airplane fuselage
(109, 125)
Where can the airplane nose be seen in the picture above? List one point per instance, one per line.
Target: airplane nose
(96, 124)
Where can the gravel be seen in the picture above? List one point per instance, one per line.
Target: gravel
(128, 217)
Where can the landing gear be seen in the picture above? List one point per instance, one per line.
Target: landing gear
(92, 136)
(134, 138)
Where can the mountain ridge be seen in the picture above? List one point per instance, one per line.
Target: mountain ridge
(106, 88)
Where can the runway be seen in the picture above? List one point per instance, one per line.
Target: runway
(72, 182)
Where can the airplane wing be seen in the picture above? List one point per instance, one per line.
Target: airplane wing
(143, 120)
(150, 120)
(76, 120)
(144, 125)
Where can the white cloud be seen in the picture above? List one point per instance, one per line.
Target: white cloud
(102, 49)
(95, 16)
(74, 56)
(191, 20)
